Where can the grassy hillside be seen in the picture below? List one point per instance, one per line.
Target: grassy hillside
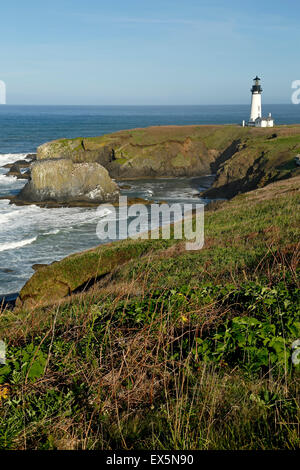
(168, 348)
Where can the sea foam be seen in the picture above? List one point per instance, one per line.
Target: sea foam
(7, 180)
(6, 158)
(17, 244)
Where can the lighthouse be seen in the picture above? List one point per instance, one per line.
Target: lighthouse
(256, 91)
(256, 119)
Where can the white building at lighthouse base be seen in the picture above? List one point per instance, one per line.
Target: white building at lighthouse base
(261, 122)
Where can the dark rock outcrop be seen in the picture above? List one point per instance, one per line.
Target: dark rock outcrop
(19, 171)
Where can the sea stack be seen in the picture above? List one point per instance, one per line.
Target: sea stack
(63, 181)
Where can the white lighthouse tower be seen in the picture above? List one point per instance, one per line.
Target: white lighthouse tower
(256, 91)
(256, 119)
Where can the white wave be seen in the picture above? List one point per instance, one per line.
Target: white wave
(15, 245)
(6, 158)
(103, 212)
(40, 220)
(52, 232)
(6, 180)
(7, 215)
(10, 183)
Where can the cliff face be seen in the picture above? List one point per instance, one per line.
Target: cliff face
(243, 158)
(63, 181)
(258, 160)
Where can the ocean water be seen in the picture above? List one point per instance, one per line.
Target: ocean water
(31, 235)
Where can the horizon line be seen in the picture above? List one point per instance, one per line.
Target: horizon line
(144, 105)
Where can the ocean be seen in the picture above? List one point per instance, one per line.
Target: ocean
(31, 235)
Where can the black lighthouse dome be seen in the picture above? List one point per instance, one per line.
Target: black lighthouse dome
(256, 88)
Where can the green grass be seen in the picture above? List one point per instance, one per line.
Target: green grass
(172, 349)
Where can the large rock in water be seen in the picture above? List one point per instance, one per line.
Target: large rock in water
(63, 181)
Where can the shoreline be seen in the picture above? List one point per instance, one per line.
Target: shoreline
(8, 300)
(257, 150)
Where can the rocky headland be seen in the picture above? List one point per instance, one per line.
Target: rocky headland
(79, 171)
(241, 158)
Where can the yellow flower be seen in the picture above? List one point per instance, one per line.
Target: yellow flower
(184, 319)
(4, 392)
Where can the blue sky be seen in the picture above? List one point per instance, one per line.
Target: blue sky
(148, 51)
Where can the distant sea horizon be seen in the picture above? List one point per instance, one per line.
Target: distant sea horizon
(24, 127)
(138, 105)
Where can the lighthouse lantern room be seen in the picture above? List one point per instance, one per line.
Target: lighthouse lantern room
(256, 119)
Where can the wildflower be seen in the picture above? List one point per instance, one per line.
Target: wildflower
(4, 392)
